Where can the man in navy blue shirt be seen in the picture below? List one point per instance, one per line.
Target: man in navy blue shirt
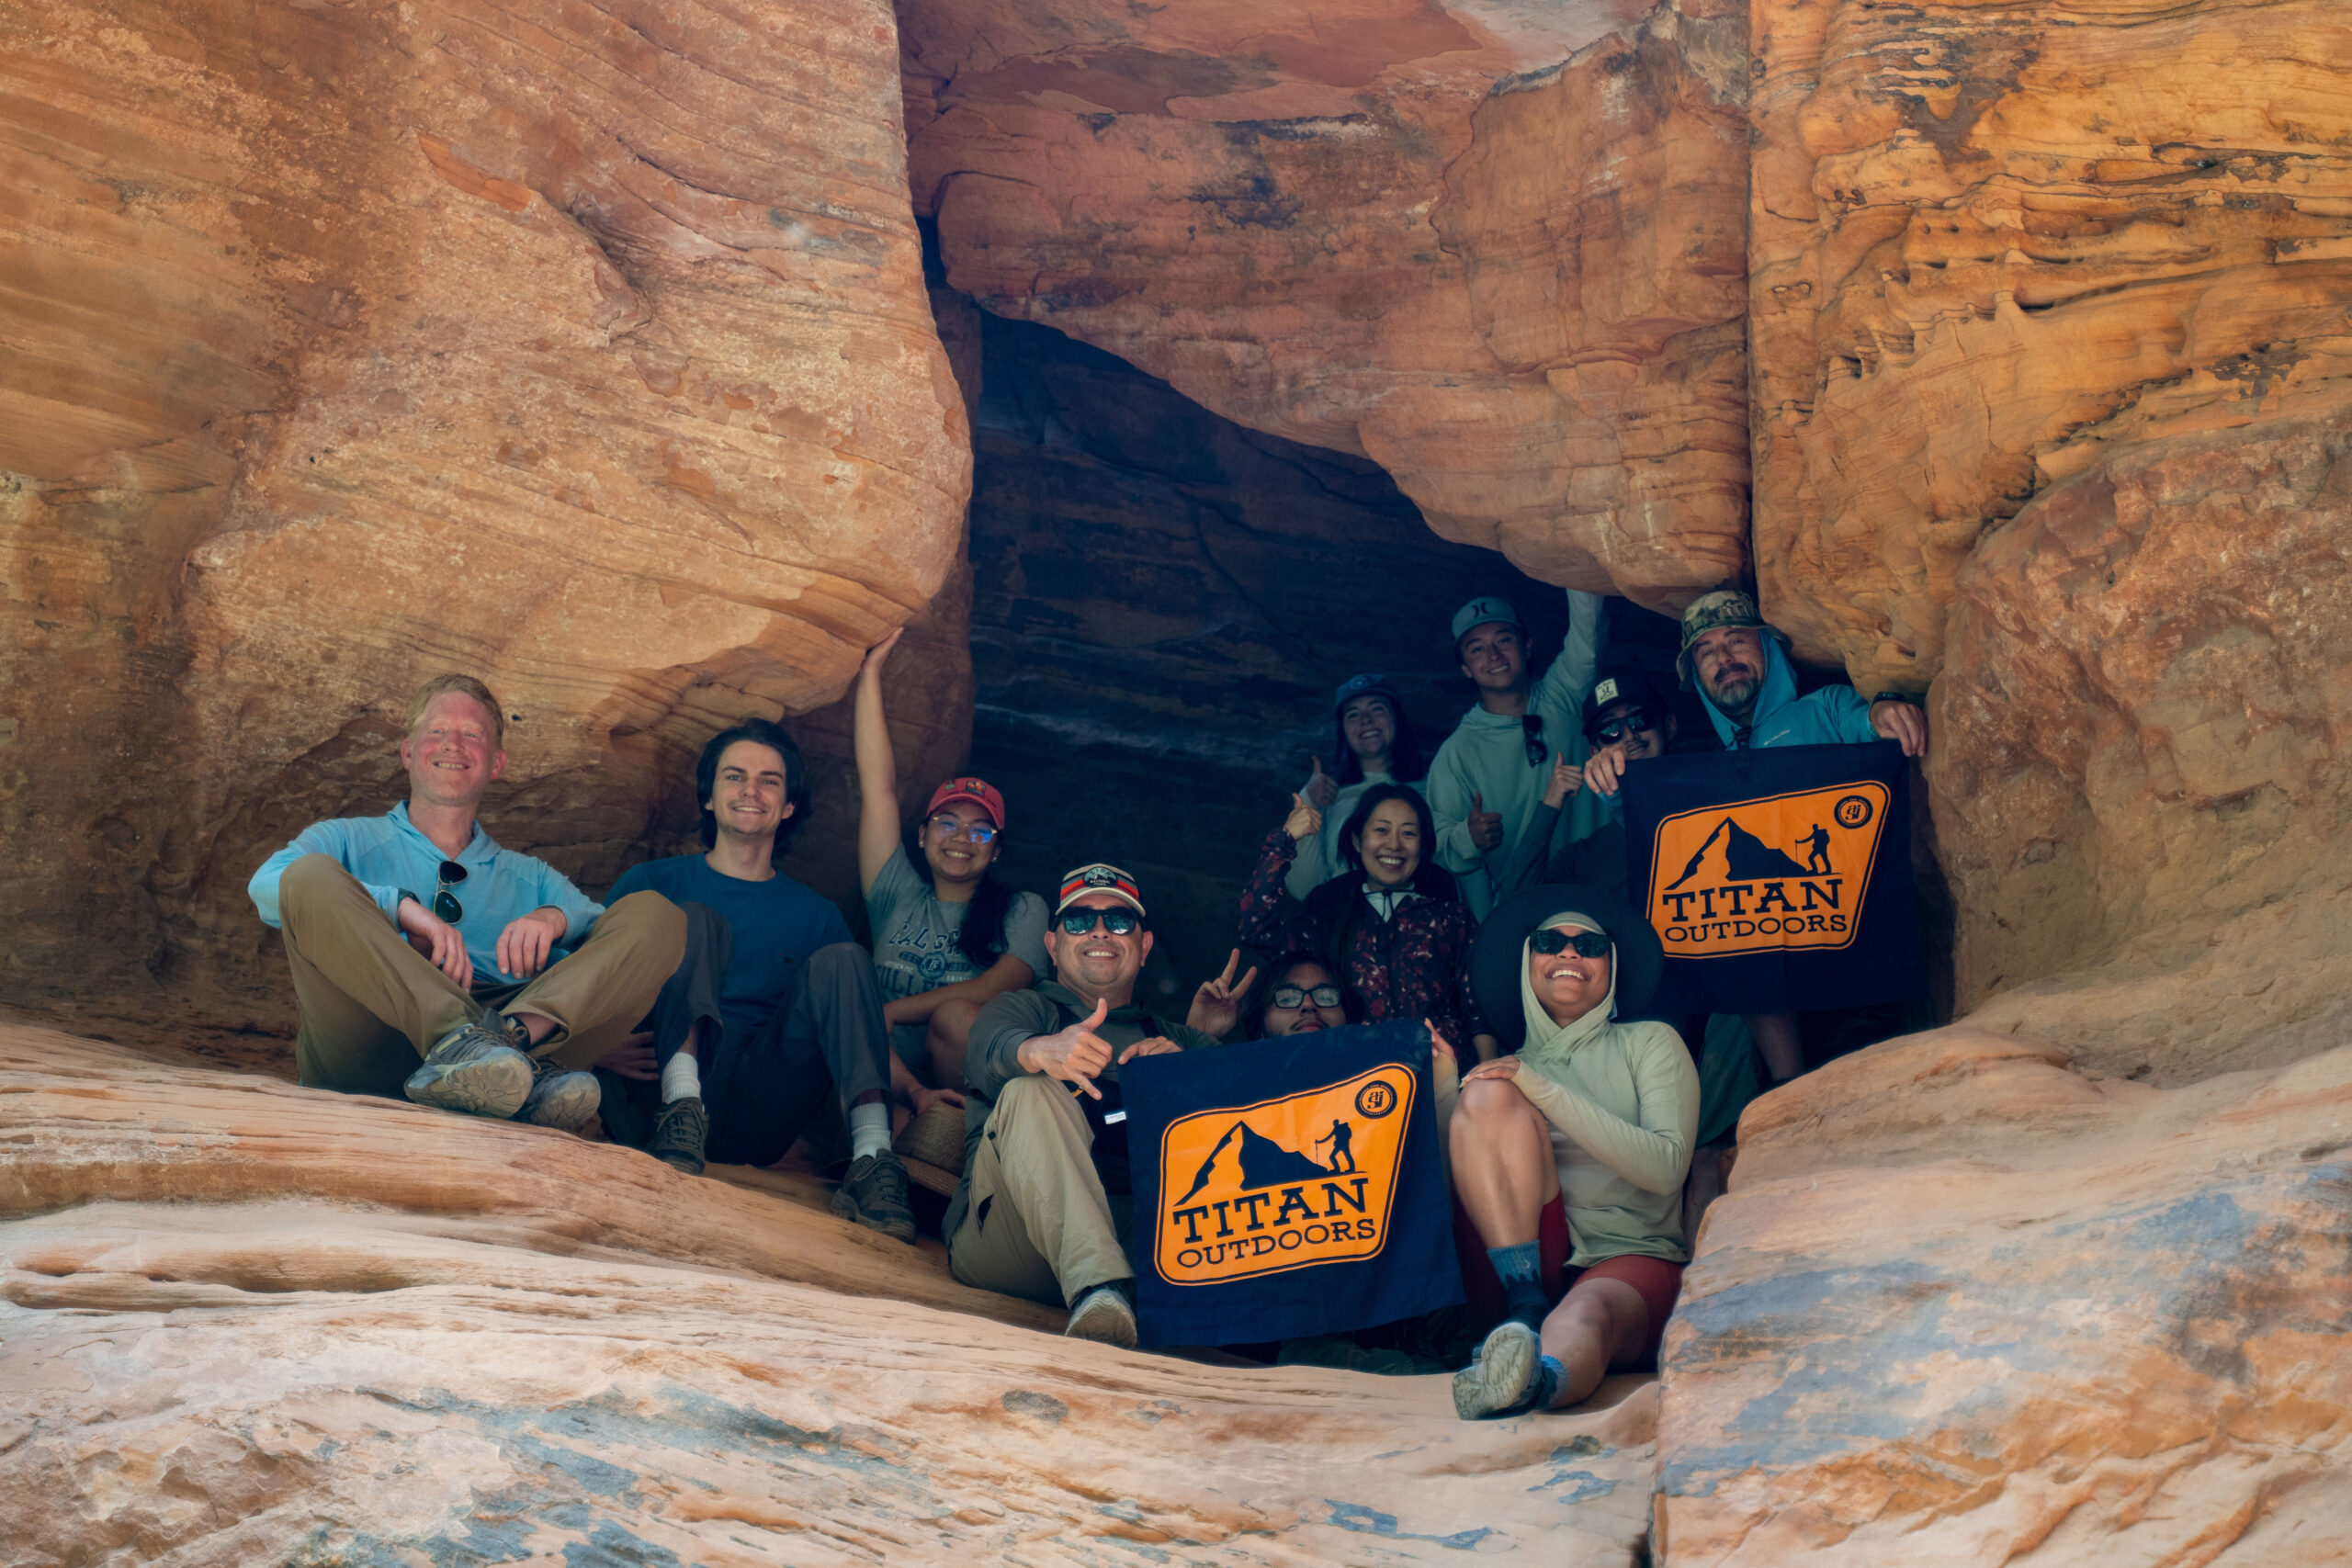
(499, 977)
(774, 1000)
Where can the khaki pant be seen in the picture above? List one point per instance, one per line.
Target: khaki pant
(1039, 1225)
(372, 1006)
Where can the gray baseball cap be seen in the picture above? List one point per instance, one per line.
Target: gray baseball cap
(1482, 611)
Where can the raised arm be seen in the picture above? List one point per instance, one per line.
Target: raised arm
(877, 768)
(1570, 676)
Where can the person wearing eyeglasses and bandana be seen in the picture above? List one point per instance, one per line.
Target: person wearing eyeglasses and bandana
(429, 962)
(1044, 1207)
(1488, 780)
(948, 937)
(1569, 1155)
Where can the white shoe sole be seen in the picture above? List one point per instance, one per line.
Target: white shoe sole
(1502, 1377)
(1105, 1318)
(494, 1085)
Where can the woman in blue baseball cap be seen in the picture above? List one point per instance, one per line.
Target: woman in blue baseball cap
(1372, 743)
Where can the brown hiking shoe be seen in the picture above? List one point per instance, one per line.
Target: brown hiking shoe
(679, 1134)
(874, 1194)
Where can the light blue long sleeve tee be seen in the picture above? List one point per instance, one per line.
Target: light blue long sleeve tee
(390, 853)
(1485, 759)
(1834, 716)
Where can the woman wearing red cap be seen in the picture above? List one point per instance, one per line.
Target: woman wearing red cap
(948, 936)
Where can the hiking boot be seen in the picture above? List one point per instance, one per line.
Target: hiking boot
(1105, 1316)
(478, 1068)
(679, 1134)
(1501, 1380)
(565, 1100)
(874, 1194)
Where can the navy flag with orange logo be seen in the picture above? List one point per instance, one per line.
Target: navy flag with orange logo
(1778, 880)
(1288, 1187)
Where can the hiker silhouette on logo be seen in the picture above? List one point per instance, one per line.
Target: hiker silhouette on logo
(1817, 864)
(1340, 1137)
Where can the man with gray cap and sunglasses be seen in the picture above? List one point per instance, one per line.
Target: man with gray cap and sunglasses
(1044, 1207)
(1487, 783)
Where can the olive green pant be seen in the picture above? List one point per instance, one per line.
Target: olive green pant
(371, 1006)
(1040, 1225)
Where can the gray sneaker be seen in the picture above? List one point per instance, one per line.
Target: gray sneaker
(679, 1134)
(478, 1068)
(1501, 1380)
(1105, 1316)
(564, 1100)
(874, 1194)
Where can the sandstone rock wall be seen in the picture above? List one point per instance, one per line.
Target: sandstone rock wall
(241, 1323)
(587, 350)
(1496, 249)
(1965, 1304)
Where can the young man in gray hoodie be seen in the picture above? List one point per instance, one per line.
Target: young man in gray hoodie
(1487, 784)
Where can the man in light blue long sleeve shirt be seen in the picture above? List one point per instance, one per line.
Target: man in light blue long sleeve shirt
(498, 978)
(1487, 784)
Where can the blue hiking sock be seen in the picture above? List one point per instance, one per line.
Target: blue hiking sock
(1515, 1266)
(1547, 1382)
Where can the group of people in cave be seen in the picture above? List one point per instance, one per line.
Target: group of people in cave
(714, 1009)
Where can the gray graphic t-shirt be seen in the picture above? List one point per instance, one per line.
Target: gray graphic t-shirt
(914, 942)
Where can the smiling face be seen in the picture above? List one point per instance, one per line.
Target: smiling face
(1567, 985)
(1096, 963)
(747, 795)
(953, 856)
(452, 754)
(1370, 725)
(1494, 655)
(1729, 662)
(1390, 844)
(1635, 747)
(1307, 1017)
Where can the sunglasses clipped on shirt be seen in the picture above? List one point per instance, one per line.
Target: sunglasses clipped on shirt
(948, 827)
(1531, 727)
(1616, 730)
(444, 903)
(1589, 944)
(1118, 922)
(1298, 995)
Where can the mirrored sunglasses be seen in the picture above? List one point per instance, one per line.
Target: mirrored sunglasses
(1616, 730)
(1118, 922)
(1589, 944)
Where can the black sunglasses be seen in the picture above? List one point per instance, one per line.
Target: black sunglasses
(1118, 922)
(1531, 726)
(444, 903)
(1616, 730)
(1294, 996)
(1589, 944)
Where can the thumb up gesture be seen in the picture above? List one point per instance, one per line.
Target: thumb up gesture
(1322, 789)
(1486, 826)
(1303, 821)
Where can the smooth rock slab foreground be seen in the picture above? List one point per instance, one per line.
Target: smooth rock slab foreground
(245, 1322)
(1964, 1305)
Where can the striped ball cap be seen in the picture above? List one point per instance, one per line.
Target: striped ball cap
(1099, 879)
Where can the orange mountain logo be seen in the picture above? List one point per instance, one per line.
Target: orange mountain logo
(1283, 1184)
(1789, 871)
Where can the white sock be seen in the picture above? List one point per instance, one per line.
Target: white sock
(869, 1129)
(681, 1078)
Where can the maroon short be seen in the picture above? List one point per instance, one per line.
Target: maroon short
(1656, 1281)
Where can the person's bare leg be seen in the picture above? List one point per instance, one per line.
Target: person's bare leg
(1503, 1170)
(947, 1038)
(1599, 1323)
(1783, 1047)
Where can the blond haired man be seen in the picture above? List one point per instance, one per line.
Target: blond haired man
(428, 961)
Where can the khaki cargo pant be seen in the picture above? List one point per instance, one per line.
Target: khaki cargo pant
(372, 1006)
(1039, 1225)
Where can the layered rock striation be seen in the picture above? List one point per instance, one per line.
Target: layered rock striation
(587, 351)
(241, 1322)
(1498, 250)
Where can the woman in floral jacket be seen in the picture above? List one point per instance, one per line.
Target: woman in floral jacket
(1390, 926)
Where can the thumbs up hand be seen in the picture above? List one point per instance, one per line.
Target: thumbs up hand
(1303, 821)
(1486, 826)
(1072, 1054)
(1322, 789)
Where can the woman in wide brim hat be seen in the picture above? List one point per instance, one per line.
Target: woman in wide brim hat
(1591, 1121)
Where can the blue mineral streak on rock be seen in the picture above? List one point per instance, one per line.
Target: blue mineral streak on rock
(1371, 1521)
(1844, 1331)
